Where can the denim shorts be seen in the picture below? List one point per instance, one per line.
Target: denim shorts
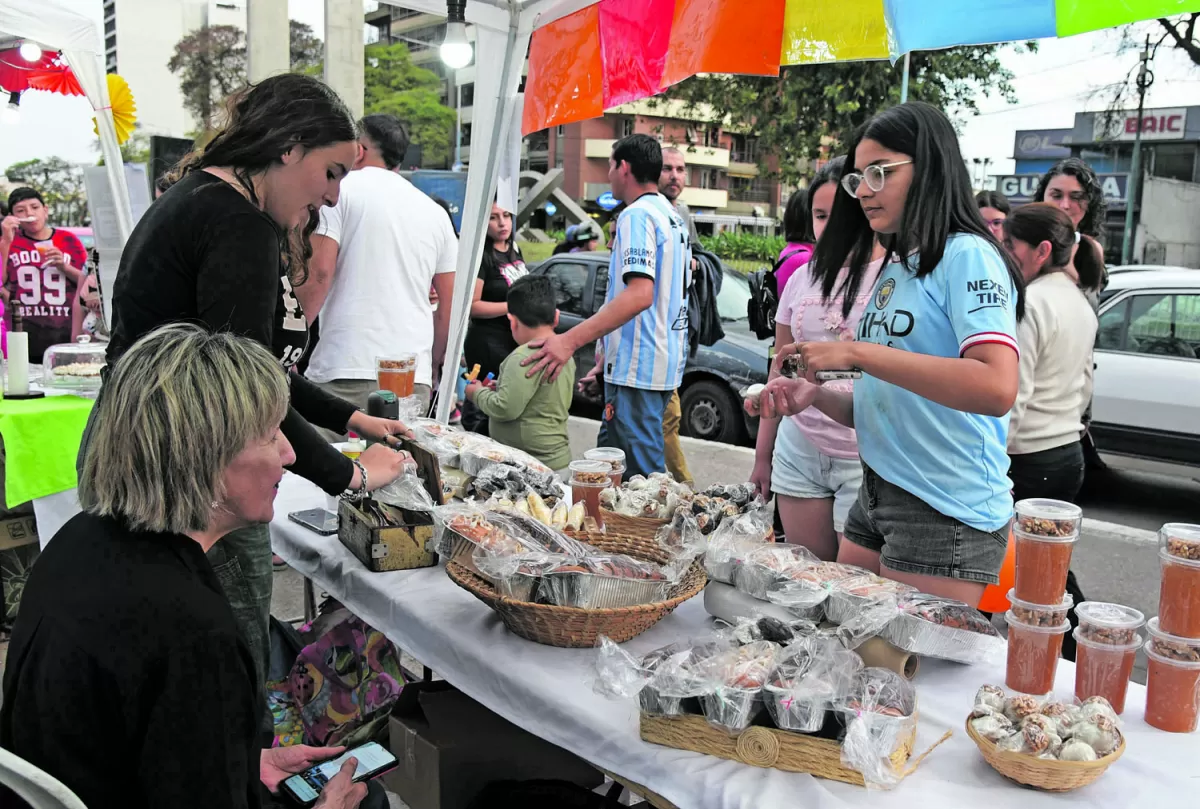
(799, 469)
(912, 537)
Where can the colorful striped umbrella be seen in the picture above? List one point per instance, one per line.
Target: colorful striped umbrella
(616, 51)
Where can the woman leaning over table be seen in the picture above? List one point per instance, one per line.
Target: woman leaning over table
(215, 249)
(937, 346)
(127, 678)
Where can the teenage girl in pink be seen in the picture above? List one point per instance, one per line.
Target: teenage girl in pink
(809, 461)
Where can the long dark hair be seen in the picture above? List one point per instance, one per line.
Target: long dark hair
(1042, 222)
(1088, 181)
(940, 203)
(797, 217)
(267, 119)
(300, 250)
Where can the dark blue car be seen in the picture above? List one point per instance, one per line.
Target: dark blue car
(713, 378)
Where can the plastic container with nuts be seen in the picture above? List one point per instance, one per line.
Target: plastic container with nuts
(1179, 598)
(614, 457)
(1044, 534)
(1107, 642)
(1035, 636)
(1172, 680)
(588, 479)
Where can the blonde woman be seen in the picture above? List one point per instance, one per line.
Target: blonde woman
(124, 628)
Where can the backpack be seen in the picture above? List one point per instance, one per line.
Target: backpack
(764, 298)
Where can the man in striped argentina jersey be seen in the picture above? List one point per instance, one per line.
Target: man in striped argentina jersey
(644, 317)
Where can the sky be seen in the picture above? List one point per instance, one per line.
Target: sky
(1062, 78)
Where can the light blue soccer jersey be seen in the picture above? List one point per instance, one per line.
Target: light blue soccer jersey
(955, 462)
(649, 351)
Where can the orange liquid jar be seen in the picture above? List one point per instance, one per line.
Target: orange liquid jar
(1045, 532)
(613, 457)
(1179, 596)
(588, 479)
(1172, 681)
(1107, 644)
(1033, 653)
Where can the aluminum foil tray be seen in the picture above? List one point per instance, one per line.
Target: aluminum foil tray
(591, 591)
(732, 709)
(474, 461)
(754, 579)
(462, 550)
(841, 607)
(922, 637)
(655, 702)
(518, 587)
(789, 712)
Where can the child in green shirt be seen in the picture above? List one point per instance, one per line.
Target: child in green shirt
(529, 413)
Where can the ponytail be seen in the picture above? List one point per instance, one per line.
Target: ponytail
(1089, 264)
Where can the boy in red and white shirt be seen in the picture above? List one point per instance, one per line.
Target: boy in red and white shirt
(42, 269)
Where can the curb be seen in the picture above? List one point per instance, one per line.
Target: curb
(1116, 531)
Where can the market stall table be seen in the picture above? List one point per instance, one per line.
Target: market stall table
(548, 691)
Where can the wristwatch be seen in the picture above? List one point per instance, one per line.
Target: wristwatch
(356, 495)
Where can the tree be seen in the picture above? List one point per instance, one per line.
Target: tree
(1181, 32)
(305, 51)
(807, 109)
(394, 85)
(210, 63)
(60, 184)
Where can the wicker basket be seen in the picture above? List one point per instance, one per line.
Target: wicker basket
(571, 627)
(641, 527)
(1051, 776)
(769, 747)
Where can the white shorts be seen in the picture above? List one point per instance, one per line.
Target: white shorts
(799, 469)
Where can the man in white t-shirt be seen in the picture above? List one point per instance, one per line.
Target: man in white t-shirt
(376, 253)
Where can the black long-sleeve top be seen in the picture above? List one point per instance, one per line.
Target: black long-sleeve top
(126, 678)
(203, 254)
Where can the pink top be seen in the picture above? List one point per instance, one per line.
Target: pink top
(810, 320)
(798, 254)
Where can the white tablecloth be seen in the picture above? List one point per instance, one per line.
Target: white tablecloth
(548, 691)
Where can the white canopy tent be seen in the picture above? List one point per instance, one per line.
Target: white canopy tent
(502, 32)
(73, 27)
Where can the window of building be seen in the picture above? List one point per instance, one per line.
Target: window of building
(749, 189)
(467, 93)
(466, 134)
(1175, 161)
(561, 130)
(708, 178)
(745, 149)
(626, 127)
(712, 137)
(110, 26)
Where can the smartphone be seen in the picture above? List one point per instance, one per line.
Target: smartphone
(373, 760)
(830, 376)
(316, 519)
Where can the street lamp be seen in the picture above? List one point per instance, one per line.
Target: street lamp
(456, 50)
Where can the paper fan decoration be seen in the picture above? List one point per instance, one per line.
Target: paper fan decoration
(59, 80)
(124, 110)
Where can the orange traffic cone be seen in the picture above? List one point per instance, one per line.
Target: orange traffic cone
(995, 597)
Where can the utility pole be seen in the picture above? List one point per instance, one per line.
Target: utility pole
(904, 79)
(1133, 188)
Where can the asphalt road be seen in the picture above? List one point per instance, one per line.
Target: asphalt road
(1116, 558)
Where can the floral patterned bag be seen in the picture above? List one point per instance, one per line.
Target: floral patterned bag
(342, 686)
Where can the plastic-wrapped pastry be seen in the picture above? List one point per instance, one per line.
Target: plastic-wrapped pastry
(1036, 739)
(991, 696)
(1044, 722)
(1013, 743)
(1062, 715)
(558, 517)
(1094, 707)
(992, 727)
(982, 709)
(608, 498)
(1020, 706)
(1100, 733)
(1076, 750)
(576, 515)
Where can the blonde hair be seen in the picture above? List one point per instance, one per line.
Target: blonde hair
(177, 408)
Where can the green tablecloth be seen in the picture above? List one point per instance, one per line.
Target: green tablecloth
(41, 441)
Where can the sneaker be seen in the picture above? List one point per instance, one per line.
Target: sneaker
(456, 416)
(277, 561)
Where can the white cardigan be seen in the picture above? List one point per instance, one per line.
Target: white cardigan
(1056, 338)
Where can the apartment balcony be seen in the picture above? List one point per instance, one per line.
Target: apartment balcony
(740, 168)
(704, 197)
(709, 157)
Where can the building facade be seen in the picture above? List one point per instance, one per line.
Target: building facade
(1170, 182)
(139, 40)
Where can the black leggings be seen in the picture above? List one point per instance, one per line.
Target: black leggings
(1058, 474)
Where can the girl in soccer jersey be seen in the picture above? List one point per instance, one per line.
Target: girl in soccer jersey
(937, 348)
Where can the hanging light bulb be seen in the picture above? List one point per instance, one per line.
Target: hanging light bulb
(30, 51)
(456, 51)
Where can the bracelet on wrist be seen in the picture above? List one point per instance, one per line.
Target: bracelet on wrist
(355, 495)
